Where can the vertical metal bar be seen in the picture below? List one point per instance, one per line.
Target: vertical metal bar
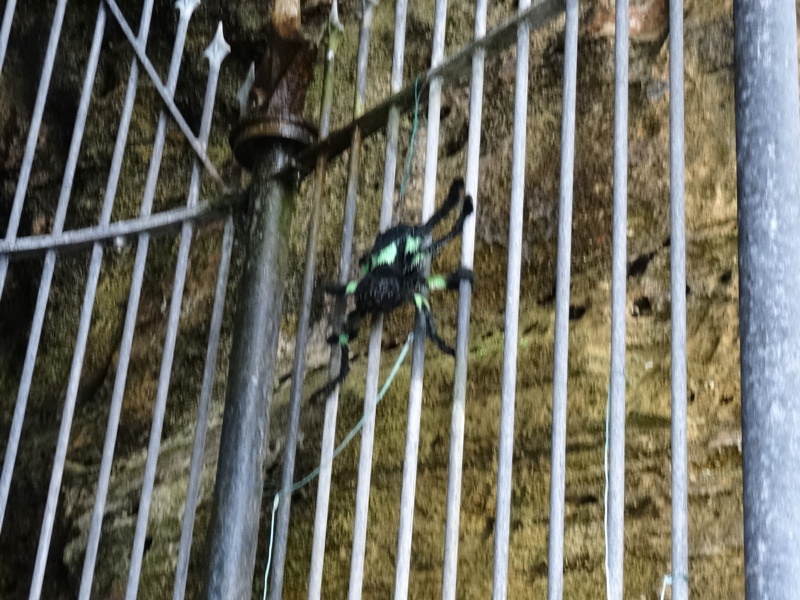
(215, 53)
(768, 180)
(368, 431)
(555, 560)
(27, 163)
(118, 390)
(393, 122)
(509, 381)
(332, 404)
(458, 417)
(5, 30)
(39, 314)
(196, 465)
(408, 493)
(680, 498)
(334, 34)
(376, 328)
(47, 271)
(615, 500)
(11, 233)
(19, 410)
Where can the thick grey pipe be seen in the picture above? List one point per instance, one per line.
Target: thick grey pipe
(236, 513)
(768, 172)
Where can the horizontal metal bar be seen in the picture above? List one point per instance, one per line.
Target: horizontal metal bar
(119, 231)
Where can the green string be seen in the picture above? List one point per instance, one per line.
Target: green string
(414, 127)
(347, 439)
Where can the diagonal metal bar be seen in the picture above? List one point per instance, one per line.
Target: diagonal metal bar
(509, 379)
(558, 457)
(135, 290)
(39, 313)
(537, 15)
(680, 498)
(5, 30)
(215, 53)
(27, 166)
(334, 35)
(139, 50)
(458, 417)
(615, 499)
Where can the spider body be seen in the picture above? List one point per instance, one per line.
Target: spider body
(392, 274)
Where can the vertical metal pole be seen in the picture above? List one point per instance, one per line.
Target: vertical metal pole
(558, 461)
(240, 478)
(615, 494)
(680, 498)
(768, 179)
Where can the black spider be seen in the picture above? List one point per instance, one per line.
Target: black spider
(392, 275)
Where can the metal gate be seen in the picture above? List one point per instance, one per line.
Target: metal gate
(237, 514)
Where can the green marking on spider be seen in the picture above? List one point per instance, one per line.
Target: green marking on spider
(412, 245)
(437, 282)
(343, 339)
(387, 256)
(421, 302)
(351, 287)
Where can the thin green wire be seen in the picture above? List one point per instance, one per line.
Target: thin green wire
(347, 439)
(414, 127)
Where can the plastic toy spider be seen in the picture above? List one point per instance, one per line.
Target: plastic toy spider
(392, 275)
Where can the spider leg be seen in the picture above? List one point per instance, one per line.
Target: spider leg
(452, 281)
(453, 198)
(351, 327)
(341, 290)
(424, 309)
(456, 277)
(436, 246)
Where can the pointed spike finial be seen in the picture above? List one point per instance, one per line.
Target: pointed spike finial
(218, 49)
(187, 7)
(244, 91)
